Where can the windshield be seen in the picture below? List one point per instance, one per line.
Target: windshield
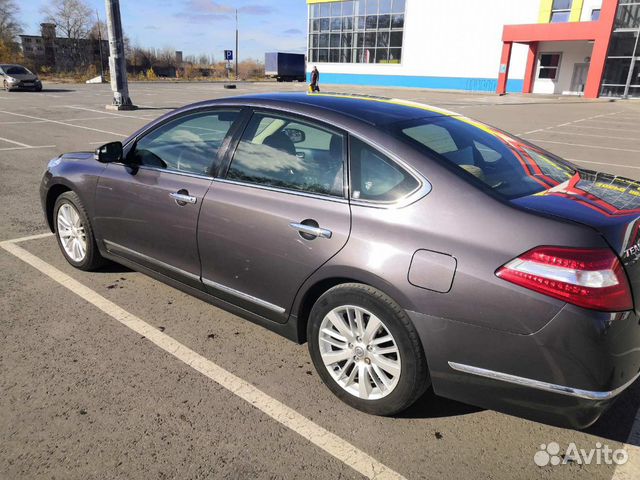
(17, 70)
(507, 165)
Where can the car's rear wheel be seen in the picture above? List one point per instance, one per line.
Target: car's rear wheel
(366, 349)
(74, 233)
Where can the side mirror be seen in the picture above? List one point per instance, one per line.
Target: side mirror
(109, 153)
(295, 135)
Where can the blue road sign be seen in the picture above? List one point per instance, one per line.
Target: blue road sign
(228, 54)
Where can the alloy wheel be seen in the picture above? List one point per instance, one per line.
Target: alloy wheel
(359, 352)
(72, 232)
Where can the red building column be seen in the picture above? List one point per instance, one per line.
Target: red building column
(505, 60)
(604, 28)
(530, 72)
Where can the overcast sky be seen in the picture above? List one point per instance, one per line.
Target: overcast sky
(201, 26)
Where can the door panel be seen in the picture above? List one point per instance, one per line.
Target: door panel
(137, 217)
(147, 210)
(279, 215)
(250, 253)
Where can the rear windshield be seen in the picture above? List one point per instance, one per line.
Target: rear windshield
(507, 165)
(16, 70)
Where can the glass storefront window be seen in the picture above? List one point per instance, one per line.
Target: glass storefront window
(628, 16)
(398, 6)
(616, 71)
(384, 21)
(384, 7)
(361, 31)
(624, 53)
(622, 44)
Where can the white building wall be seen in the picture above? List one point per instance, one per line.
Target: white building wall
(572, 53)
(454, 38)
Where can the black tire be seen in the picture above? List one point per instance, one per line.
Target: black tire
(38, 89)
(92, 259)
(414, 375)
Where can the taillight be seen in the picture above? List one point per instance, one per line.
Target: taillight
(589, 278)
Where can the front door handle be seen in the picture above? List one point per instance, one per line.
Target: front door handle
(309, 232)
(182, 197)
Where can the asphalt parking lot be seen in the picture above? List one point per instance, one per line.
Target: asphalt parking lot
(115, 375)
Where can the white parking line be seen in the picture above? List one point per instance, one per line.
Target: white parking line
(566, 124)
(8, 149)
(64, 123)
(558, 132)
(137, 117)
(600, 128)
(602, 163)
(20, 144)
(339, 448)
(583, 145)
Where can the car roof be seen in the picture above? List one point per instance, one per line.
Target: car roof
(374, 110)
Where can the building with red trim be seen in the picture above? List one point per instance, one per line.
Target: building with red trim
(561, 47)
(607, 43)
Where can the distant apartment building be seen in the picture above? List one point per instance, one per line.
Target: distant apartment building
(62, 54)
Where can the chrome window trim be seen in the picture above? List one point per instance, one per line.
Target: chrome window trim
(244, 296)
(540, 385)
(301, 193)
(116, 246)
(164, 170)
(422, 191)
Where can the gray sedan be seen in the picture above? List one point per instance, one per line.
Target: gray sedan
(16, 77)
(411, 247)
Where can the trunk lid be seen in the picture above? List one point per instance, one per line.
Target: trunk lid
(608, 203)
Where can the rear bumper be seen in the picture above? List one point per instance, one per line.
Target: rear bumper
(565, 374)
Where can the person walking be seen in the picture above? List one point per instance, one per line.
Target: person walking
(315, 79)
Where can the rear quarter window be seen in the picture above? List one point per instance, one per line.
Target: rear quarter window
(377, 178)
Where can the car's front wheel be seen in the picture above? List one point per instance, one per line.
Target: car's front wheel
(366, 349)
(74, 233)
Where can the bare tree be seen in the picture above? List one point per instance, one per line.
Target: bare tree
(72, 18)
(9, 25)
(99, 31)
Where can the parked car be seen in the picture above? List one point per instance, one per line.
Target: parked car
(411, 247)
(16, 77)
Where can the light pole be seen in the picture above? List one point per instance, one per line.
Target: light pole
(236, 44)
(100, 43)
(117, 61)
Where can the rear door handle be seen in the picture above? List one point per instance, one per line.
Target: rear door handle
(311, 230)
(183, 198)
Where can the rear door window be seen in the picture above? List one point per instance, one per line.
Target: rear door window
(289, 154)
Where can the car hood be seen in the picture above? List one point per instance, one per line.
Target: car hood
(607, 203)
